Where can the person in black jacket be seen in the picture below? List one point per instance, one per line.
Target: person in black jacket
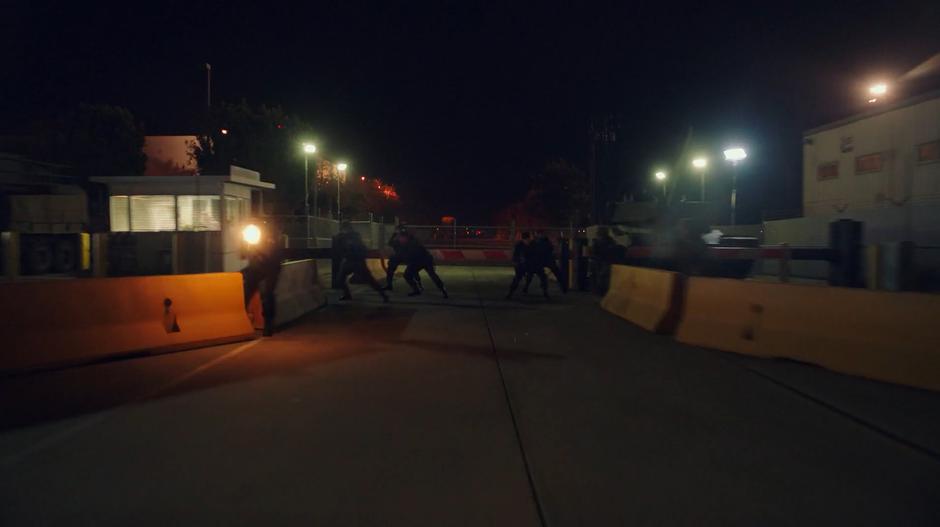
(262, 273)
(526, 261)
(418, 259)
(348, 246)
(544, 252)
(398, 257)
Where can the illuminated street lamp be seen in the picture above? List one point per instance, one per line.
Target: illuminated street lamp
(661, 177)
(735, 155)
(309, 148)
(341, 168)
(700, 164)
(877, 90)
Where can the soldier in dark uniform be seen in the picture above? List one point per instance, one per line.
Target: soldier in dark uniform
(418, 259)
(348, 246)
(544, 252)
(603, 254)
(526, 262)
(398, 257)
(262, 273)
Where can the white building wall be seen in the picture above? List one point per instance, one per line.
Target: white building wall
(901, 182)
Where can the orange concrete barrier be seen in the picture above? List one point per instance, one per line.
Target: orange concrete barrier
(63, 322)
(299, 291)
(650, 298)
(378, 267)
(893, 337)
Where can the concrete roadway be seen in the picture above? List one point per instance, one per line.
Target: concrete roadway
(473, 411)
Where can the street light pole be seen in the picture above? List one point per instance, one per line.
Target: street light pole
(308, 149)
(316, 200)
(306, 200)
(734, 193)
(735, 155)
(341, 168)
(702, 198)
(700, 163)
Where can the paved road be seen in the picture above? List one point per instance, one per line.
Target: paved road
(473, 411)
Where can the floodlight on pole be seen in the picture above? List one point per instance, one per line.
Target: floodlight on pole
(735, 154)
(661, 177)
(876, 92)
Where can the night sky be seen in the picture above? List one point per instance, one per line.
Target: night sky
(458, 103)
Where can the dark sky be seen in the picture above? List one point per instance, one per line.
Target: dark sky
(458, 103)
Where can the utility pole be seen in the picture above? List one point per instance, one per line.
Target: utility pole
(208, 85)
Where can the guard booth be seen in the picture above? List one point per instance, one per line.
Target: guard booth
(180, 224)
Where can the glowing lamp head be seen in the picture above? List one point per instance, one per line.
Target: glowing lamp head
(735, 154)
(251, 234)
(660, 176)
(700, 162)
(362, 178)
(310, 148)
(878, 89)
(224, 131)
(342, 167)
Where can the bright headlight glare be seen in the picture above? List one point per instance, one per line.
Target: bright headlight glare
(251, 234)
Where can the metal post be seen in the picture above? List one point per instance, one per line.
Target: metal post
(11, 254)
(734, 193)
(306, 200)
(455, 233)
(339, 207)
(703, 187)
(316, 202)
(785, 264)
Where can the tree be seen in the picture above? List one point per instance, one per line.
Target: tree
(94, 140)
(264, 139)
(558, 194)
(362, 195)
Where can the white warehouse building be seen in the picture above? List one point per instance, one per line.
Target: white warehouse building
(881, 167)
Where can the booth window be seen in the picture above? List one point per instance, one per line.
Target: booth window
(120, 214)
(235, 209)
(153, 213)
(199, 213)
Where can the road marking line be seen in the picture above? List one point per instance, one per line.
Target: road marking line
(526, 463)
(62, 435)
